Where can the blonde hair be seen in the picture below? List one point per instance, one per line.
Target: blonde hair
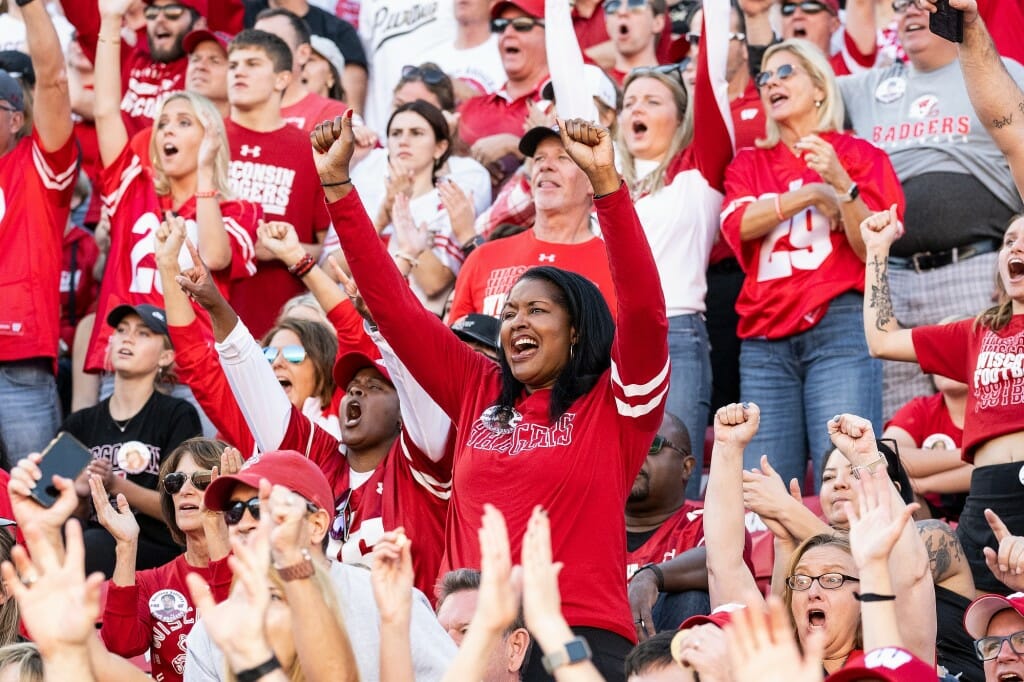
(322, 579)
(998, 316)
(682, 137)
(204, 110)
(25, 657)
(831, 112)
(838, 540)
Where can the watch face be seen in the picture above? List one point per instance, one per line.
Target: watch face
(577, 651)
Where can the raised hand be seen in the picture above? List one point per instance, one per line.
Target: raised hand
(392, 577)
(29, 513)
(881, 229)
(210, 146)
(764, 492)
(590, 146)
(351, 290)
(542, 601)
(854, 437)
(410, 238)
(170, 237)
(762, 646)
(197, 281)
(461, 212)
(498, 601)
(99, 467)
(1007, 561)
(111, 8)
(120, 522)
(281, 240)
(875, 525)
(703, 648)
(286, 511)
(333, 144)
(230, 461)
(736, 424)
(968, 7)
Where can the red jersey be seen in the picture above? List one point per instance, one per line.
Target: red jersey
(682, 531)
(85, 134)
(850, 59)
(490, 271)
(591, 30)
(312, 110)
(494, 114)
(1005, 21)
(35, 196)
(581, 467)
(797, 268)
(157, 613)
(78, 287)
(927, 421)
(274, 169)
(131, 274)
(990, 363)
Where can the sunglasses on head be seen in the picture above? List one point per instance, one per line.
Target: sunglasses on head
(782, 73)
(175, 481)
(519, 24)
(233, 514)
(666, 69)
(988, 648)
(340, 527)
(293, 354)
(427, 74)
(613, 6)
(808, 7)
(900, 6)
(172, 11)
(662, 442)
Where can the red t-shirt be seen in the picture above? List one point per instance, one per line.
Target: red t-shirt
(802, 264)
(590, 30)
(990, 363)
(582, 466)
(490, 271)
(312, 110)
(274, 169)
(85, 133)
(157, 613)
(35, 195)
(131, 275)
(80, 255)
(927, 421)
(495, 114)
(1005, 21)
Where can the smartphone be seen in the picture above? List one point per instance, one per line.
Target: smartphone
(947, 22)
(65, 456)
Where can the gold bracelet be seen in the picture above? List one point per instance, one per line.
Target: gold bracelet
(113, 41)
(407, 258)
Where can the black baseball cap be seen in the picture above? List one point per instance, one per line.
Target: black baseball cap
(479, 328)
(153, 317)
(534, 136)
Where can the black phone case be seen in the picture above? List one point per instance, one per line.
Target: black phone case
(65, 456)
(947, 22)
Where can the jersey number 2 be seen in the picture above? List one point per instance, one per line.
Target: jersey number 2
(810, 237)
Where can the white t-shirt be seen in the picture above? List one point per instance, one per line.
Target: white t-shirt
(12, 31)
(480, 66)
(395, 33)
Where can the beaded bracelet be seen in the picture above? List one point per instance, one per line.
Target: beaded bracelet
(302, 268)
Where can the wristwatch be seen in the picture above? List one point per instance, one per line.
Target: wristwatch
(298, 571)
(574, 651)
(851, 194)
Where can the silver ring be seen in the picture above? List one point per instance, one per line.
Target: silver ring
(29, 581)
(639, 622)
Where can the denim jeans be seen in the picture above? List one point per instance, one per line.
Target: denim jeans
(689, 393)
(29, 407)
(802, 381)
(672, 608)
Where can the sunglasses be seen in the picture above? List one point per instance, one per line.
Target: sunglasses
(233, 514)
(784, 72)
(172, 11)
(988, 648)
(808, 7)
(900, 6)
(340, 527)
(662, 442)
(175, 481)
(427, 74)
(293, 354)
(519, 24)
(612, 6)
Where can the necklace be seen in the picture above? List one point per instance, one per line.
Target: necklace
(122, 425)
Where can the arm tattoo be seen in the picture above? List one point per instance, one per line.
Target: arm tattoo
(943, 547)
(1001, 123)
(880, 299)
(1020, 105)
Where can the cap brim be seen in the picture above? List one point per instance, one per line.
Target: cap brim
(218, 494)
(534, 136)
(119, 313)
(980, 612)
(349, 364)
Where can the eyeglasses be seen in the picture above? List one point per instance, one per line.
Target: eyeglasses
(427, 74)
(900, 6)
(233, 514)
(175, 481)
(340, 527)
(988, 648)
(784, 72)
(293, 354)
(172, 11)
(694, 38)
(807, 6)
(613, 6)
(828, 581)
(662, 442)
(519, 24)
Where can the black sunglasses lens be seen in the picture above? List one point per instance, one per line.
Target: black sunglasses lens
(233, 515)
(174, 482)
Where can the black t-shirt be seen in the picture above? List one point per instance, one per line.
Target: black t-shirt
(161, 425)
(321, 23)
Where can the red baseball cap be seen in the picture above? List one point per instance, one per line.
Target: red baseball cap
(349, 364)
(720, 617)
(891, 664)
(980, 611)
(281, 467)
(201, 6)
(201, 35)
(534, 8)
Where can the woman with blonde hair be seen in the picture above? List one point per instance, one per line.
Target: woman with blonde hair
(186, 174)
(793, 207)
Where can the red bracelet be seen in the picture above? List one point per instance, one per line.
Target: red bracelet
(302, 268)
(778, 208)
(211, 194)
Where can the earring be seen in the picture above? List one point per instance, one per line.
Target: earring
(572, 349)
(817, 103)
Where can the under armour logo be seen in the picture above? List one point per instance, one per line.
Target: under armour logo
(549, 257)
(250, 151)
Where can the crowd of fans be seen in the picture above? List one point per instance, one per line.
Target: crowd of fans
(512, 340)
